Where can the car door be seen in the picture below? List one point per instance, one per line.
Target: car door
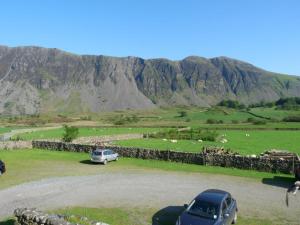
(225, 215)
(110, 155)
(230, 208)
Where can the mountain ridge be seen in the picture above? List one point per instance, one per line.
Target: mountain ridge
(42, 80)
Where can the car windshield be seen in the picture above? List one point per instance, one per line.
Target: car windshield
(204, 209)
(97, 153)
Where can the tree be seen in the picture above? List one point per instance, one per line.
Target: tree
(70, 133)
(182, 114)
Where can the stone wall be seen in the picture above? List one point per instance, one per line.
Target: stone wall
(8, 145)
(26, 216)
(210, 159)
(34, 217)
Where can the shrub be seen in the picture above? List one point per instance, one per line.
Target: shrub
(121, 120)
(211, 121)
(259, 122)
(250, 120)
(17, 138)
(291, 119)
(182, 114)
(70, 133)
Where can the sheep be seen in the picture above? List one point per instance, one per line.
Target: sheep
(200, 140)
(174, 141)
(224, 140)
(164, 139)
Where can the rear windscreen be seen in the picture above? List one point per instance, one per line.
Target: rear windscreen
(97, 153)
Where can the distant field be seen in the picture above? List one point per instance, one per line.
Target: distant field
(195, 116)
(257, 142)
(5, 129)
(85, 132)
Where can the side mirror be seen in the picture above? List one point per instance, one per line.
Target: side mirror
(185, 206)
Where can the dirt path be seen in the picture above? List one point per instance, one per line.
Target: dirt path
(136, 188)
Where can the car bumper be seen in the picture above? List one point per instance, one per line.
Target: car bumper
(97, 160)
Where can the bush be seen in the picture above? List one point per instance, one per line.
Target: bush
(70, 133)
(121, 120)
(235, 121)
(259, 122)
(17, 138)
(250, 120)
(182, 114)
(291, 119)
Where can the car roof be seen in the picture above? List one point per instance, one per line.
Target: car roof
(101, 150)
(213, 195)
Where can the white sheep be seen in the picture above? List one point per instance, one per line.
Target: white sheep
(164, 139)
(174, 141)
(224, 140)
(200, 140)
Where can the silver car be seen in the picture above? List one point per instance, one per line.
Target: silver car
(104, 156)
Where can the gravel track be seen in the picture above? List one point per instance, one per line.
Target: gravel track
(138, 188)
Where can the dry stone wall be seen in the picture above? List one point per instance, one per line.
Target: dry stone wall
(26, 216)
(202, 158)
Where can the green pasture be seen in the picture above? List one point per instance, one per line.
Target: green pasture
(257, 142)
(85, 132)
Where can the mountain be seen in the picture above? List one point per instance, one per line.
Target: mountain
(40, 80)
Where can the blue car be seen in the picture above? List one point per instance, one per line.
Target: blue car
(211, 207)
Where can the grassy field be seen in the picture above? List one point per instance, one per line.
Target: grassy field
(29, 165)
(5, 129)
(257, 142)
(85, 132)
(138, 216)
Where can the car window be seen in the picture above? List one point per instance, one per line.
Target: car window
(204, 209)
(228, 201)
(224, 207)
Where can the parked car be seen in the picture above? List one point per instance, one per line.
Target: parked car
(211, 207)
(2, 167)
(104, 156)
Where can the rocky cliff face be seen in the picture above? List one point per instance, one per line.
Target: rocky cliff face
(39, 80)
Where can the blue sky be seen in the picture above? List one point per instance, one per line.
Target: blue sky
(263, 32)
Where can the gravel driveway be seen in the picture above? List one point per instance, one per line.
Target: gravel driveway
(138, 188)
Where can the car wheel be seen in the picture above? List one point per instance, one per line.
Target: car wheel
(235, 218)
(105, 162)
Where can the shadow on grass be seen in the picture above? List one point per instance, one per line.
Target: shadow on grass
(284, 182)
(167, 216)
(7, 222)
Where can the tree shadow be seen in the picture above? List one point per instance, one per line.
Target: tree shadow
(167, 216)
(279, 181)
(7, 222)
